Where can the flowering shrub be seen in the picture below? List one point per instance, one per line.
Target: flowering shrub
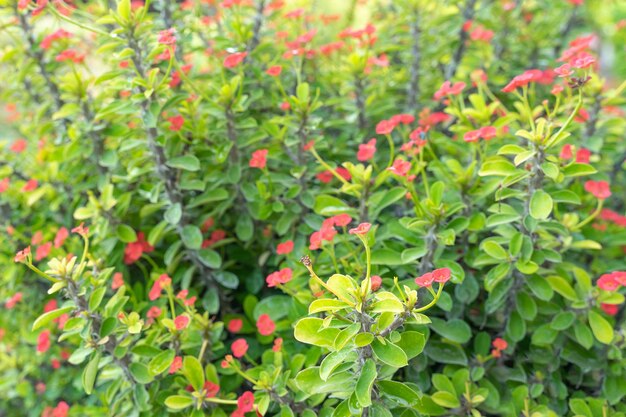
(227, 207)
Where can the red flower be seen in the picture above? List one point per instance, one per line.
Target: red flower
(50, 306)
(245, 403)
(22, 255)
(43, 251)
(43, 341)
(564, 71)
(584, 62)
(441, 275)
(499, 343)
(279, 277)
(154, 312)
(425, 280)
(284, 248)
(385, 127)
(566, 152)
(239, 348)
(472, 136)
(30, 185)
(167, 37)
(342, 220)
(70, 55)
(181, 322)
(81, 230)
(447, 88)
(12, 302)
(278, 344)
(607, 282)
(366, 151)
(235, 325)
(59, 34)
(19, 146)
(376, 282)
(176, 123)
(4, 184)
(118, 280)
(265, 325)
(235, 59)
(400, 167)
(582, 116)
(162, 282)
(583, 155)
(61, 410)
(600, 189)
(274, 71)
(134, 250)
(610, 309)
(557, 89)
(520, 81)
(60, 237)
(361, 229)
(259, 159)
(487, 132)
(176, 364)
(211, 389)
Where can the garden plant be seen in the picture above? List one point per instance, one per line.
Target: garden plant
(312, 208)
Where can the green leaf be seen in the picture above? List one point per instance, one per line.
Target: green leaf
(364, 384)
(178, 402)
(577, 170)
(387, 306)
(161, 362)
(455, 330)
(326, 304)
(327, 205)
(334, 359)
(310, 330)
(497, 166)
(192, 369)
(96, 298)
(186, 162)
(46, 318)
(309, 381)
(398, 392)
(192, 237)
(346, 335)
(601, 328)
(540, 205)
(445, 399)
(389, 353)
(210, 258)
(493, 249)
(126, 233)
(560, 285)
(173, 214)
(412, 343)
(89, 374)
(140, 372)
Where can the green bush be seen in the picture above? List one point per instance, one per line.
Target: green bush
(312, 208)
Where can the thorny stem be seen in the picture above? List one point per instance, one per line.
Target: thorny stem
(468, 14)
(413, 90)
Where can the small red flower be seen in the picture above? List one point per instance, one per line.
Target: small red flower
(342, 220)
(607, 282)
(259, 159)
(43, 251)
(211, 389)
(4, 184)
(43, 341)
(284, 248)
(376, 282)
(134, 250)
(366, 150)
(278, 344)
(447, 88)
(118, 280)
(385, 127)
(81, 230)
(274, 71)
(239, 348)
(499, 343)
(167, 37)
(245, 403)
(600, 189)
(235, 59)
(488, 132)
(162, 282)
(361, 229)
(18, 146)
(12, 302)
(400, 167)
(441, 275)
(566, 152)
(60, 237)
(181, 322)
(279, 277)
(265, 325)
(154, 312)
(425, 280)
(583, 155)
(31, 185)
(610, 309)
(472, 136)
(234, 326)
(176, 123)
(564, 71)
(176, 364)
(22, 255)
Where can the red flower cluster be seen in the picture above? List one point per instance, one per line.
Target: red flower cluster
(612, 281)
(259, 159)
(600, 189)
(613, 217)
(118, 281)
(233, 60)
(176, 364)
(239, 348)
(284, 248)
(400, 167)
(385, 127)
(265, 325)
(376, 282)
(234, 326)
(182, 295)
(499, 345)
(167, 37)
(532, 75)
(441, 275)
(487, 133)
(43, 341)
(12, 302)
(60, 237)
(327, 232)
(61, 410)
(176, 123)
(70, 55)
(449, 89)
(181, 322)
(162, 282)
(22, 255)
(59, 34)
(245, 404)
(327, 176)
(279, 277)
(134, 250)
(361, 229)
(366, 150)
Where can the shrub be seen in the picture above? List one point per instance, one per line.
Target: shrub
(401, 208)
